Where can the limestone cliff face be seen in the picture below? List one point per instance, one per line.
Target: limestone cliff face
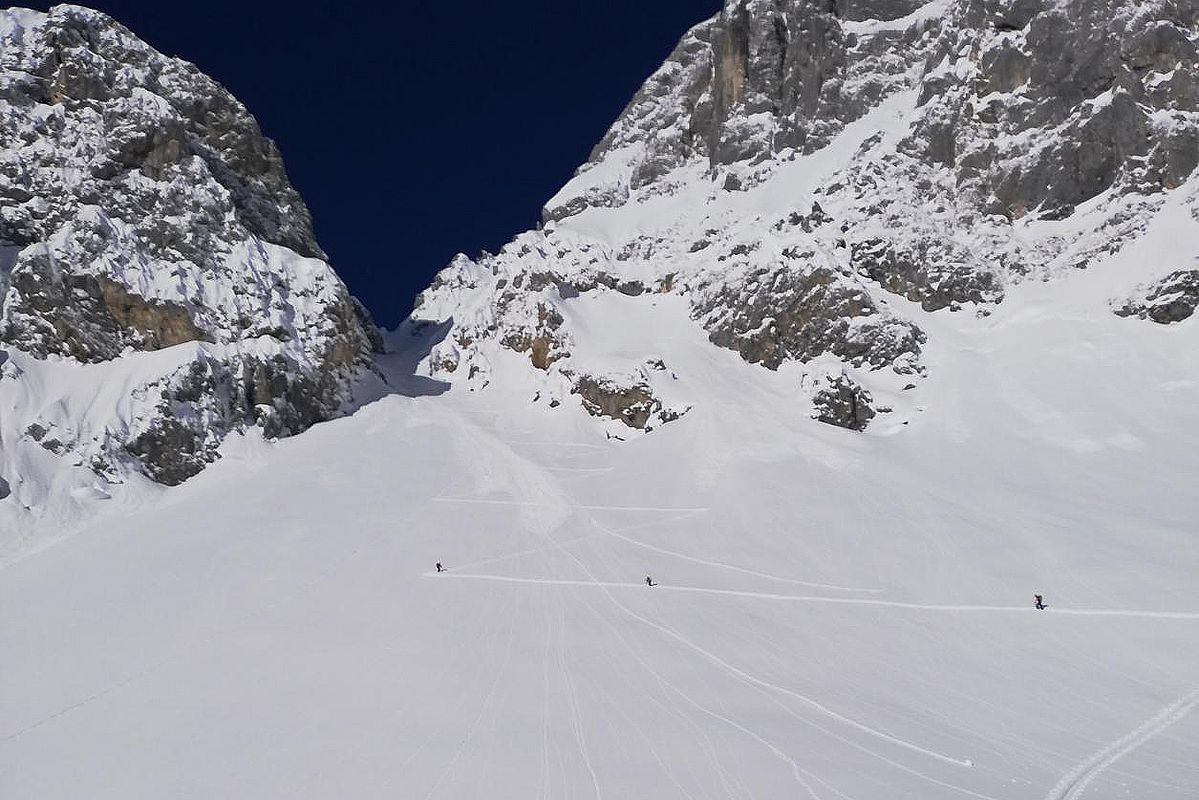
(998, 82)
(142, 210)
(816, 176)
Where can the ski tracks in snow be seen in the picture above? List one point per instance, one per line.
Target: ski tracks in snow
(851, 601)
(572, 697)
(1070, 787)
(1075, 782)
(797, 772)
(486, 704)
(738, 673)
(731, 567)
(683, 513)
(483, 501)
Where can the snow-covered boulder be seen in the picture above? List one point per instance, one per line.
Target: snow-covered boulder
(1171, 299)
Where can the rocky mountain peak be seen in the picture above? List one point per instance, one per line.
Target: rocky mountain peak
(143, 210)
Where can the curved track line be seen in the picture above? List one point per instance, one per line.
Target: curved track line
(797, 772)
(762, 684)
(558, 444)
(529, 552)
(572, 697)
(1075, 782)
(584, 470)
(732, 670)
(485, 706)
(732, 568)
(535, 504)
(823, 709)
(851, 601)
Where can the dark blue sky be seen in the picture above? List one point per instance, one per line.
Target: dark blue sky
(415, 130)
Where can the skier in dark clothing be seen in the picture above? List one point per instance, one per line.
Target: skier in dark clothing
(1040, 604)
(439, 567)
(649, 581)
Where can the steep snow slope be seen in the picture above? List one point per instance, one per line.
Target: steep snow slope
(837, 615)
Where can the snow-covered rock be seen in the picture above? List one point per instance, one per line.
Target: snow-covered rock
(143, 212)
(817, 178)
(1170, 299)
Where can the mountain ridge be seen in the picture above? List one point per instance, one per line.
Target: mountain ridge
(813, 179)
(797, 170)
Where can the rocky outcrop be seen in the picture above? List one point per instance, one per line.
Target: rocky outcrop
(936, 272)
(627, 399)
(540, 341)
(141, 208)
(1021, 127)
(632, 404)
(785, 314)
(89, 317)
(1171, 299)
(843, 403)
(75, 73)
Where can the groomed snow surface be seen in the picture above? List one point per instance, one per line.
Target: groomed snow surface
(837, 616)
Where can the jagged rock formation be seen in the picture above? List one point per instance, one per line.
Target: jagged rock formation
(1171, 299)
(843, 403)
(629, 399)
(815, 177)
(799, 313)
(142, 209)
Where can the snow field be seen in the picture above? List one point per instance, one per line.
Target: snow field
(838, 616)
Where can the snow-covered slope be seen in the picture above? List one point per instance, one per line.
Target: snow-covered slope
(837, 615)
(159, 279)
(962, 233)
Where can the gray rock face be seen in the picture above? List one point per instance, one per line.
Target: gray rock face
(843, 403)
(633, 404)
(1171, 299)
(1063, 102)
(1033, 106)
(141, 208)
(629, 399)
(936, 272)
(760, 78)
(89, 317)
(816, 177)
(76, 73)
(784, 315)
